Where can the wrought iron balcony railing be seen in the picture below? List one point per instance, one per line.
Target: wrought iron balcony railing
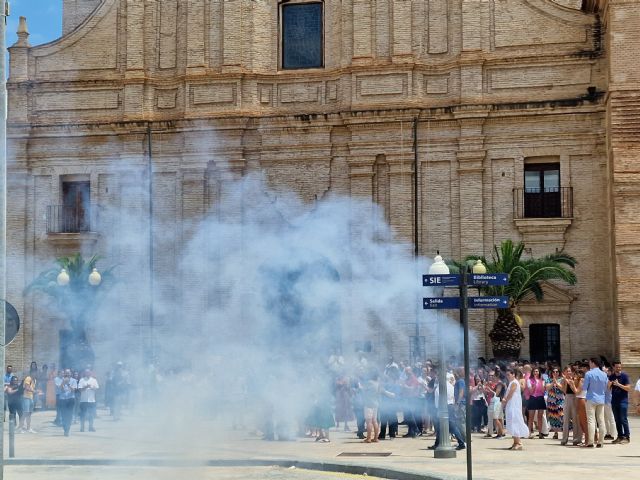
(543, 203)
(63, 219)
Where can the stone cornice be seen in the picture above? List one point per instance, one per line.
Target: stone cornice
(354, 119)
(149, 78)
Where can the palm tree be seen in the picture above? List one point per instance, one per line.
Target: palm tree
(76, 293)
(526, 276)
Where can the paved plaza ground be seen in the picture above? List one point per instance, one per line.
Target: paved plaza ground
(164, 447)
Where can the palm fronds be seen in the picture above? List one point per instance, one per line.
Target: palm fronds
(526, 276)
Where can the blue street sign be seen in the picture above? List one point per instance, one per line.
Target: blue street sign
(488, 302)
(479, 279)
(440, 280)
(441, 302)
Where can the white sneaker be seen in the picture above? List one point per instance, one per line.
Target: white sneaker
(21, 430)
(31, 430)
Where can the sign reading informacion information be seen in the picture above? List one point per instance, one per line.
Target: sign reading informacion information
(488, 302)
(453, 303)
(440, 280)
(479, 279)
(441, 302)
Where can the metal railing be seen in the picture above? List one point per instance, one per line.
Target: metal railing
(63, 219)
(543, 203)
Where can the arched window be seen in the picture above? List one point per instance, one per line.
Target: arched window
(302, 34)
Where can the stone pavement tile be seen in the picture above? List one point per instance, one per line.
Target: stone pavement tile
(151, 473)
(164, 438)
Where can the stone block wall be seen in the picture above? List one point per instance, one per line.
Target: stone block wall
(624, 156)
(74, 12)
(492, 84)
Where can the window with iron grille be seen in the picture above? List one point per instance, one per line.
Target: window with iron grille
(76, 206)
(544, 342)
(302, 35)
(542, 198)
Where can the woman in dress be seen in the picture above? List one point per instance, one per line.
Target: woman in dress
(51, 388)
(536, 404)
(512, 402)
(555, 401)
(321, 418)
(344, 409)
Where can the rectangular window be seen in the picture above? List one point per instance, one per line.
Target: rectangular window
(544, 342)
(76, 206)
(363, 346)
(542, 193)
(302, 35)
(417, 347)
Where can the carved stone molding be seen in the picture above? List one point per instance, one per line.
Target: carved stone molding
(543, 235)
(72, 240)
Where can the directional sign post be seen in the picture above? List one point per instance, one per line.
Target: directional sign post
(482, 279)
(440, 280)
(488, 302)
(464, 280)
(452, 303)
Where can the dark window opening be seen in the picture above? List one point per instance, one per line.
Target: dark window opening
(365, 346)
(542, 198)
(417, 347)
(302, 35)
(544, 342)
(76, 206)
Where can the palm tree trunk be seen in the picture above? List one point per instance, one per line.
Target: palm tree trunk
(506, 336)
(77, 353)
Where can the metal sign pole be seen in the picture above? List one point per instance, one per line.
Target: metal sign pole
(3, 206)
(464, 317)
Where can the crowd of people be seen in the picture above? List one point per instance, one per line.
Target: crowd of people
(72, 393)
(584, 403)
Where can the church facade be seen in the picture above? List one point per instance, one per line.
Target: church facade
(467, 121)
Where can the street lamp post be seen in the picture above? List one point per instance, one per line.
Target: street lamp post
(444, 449)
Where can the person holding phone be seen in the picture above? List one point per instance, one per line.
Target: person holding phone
(87, 386)
(620, 387)
(67, 397)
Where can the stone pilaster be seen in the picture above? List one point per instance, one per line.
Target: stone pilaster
(134, 88)
(232, 34)
(194, 300)
(401, 203)
(383, 20)
(473, 26)
(622, 19)
(402, 48)
(361, 188)
(362, 30)
(195, 37)
(470, 156)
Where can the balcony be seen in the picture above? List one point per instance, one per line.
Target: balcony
(62, 219)
(542, 217)
(547, 203)
(69, 226)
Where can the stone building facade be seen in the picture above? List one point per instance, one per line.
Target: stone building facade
(495, 95)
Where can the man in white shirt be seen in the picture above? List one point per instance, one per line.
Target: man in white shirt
(637, 394)
(454, 427)
(87, 386)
